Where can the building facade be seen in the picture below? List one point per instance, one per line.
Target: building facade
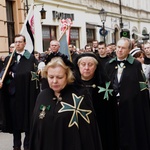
(134, 16)
(12, 16)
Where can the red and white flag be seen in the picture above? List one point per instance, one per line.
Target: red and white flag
(65, 36)
(66, 24)
(28, 30)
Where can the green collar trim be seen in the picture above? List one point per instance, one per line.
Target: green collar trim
(26, 54)
(130, 59)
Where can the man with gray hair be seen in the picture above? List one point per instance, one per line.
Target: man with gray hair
(54, 47)
(132, 99)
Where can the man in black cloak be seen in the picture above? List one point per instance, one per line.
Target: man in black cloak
(132, 98)
(18, 93)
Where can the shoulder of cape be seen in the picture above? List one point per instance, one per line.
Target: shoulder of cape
(27, 54)
(130, 59)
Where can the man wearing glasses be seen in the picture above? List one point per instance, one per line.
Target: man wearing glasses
(19, 91)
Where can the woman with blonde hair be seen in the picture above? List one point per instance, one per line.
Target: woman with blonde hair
(63, 118)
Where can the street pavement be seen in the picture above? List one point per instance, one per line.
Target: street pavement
(6, 141)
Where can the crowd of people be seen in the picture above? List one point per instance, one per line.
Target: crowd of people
(98, 100)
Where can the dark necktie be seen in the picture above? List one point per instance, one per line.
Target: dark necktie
(122, 61)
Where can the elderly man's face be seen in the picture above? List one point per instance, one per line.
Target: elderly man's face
(122, 50)
(54, 46)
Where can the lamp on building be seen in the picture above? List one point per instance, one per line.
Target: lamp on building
(43, 13)
(103, 15)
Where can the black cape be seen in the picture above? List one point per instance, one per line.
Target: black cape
(104, 60)
(146, 60)
(69, 123)
(22, 89)
(133, 109)
(1, 65)
(101, 93)
(105, 108)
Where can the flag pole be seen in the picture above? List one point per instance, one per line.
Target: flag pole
(8, 64)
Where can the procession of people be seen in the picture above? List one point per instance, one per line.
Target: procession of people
(97, 100)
